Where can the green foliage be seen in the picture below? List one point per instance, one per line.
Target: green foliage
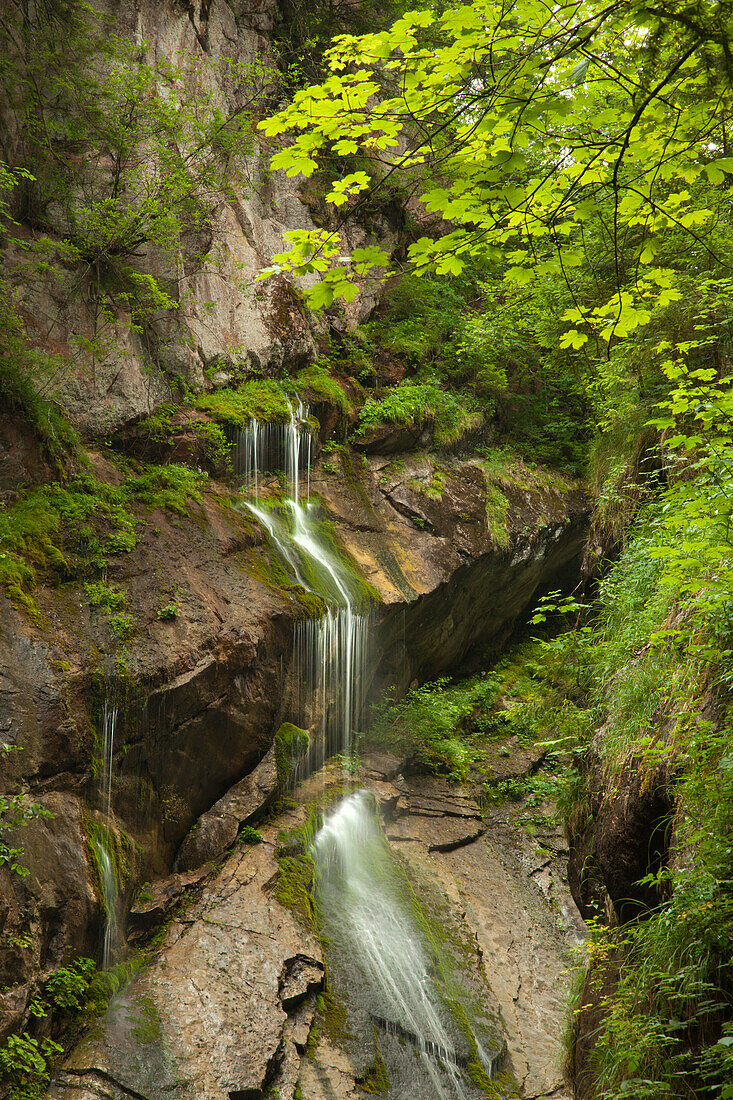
(431, 720)
(171, 155)
(306, 28)
(516, 168)
(249, 835)
(26, 1064)
(108, 597)
(416, 403)
(67, 987)
(171, 487)
(668, 1023)
(15, 812)
(694, 540)
(255, 400)
(168, 611)
(294, 888)
(111, 600)
(315, 383)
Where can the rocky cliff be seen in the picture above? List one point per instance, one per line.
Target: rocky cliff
(148, 670)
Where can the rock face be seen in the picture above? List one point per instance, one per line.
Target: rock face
(623, 837)
(222, 1011)
(225, 1007)
(450, 580)
(193, 699)
(216, 830)
(199, 697)
(225, 322)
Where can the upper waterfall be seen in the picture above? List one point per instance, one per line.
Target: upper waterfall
(329, 652)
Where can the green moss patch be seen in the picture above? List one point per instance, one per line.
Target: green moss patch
(316, 383)
(254, 400)
(291, 745)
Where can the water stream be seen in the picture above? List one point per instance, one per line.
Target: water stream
(102, 843)
(388, 971)
(329, 650)
(401, 1011)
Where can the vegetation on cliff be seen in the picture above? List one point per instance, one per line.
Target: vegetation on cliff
(561, 283)
(579, 157)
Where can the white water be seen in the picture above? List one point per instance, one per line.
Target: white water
(101, 841)
(329, 653)
(260, 447)
(109, 726)
(110, 898)
(369, 922)
(370, 928)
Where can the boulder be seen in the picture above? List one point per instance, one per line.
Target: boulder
(217, 829)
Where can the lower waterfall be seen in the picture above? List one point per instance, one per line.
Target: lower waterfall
(386, 970)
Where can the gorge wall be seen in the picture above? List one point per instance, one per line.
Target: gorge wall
(193, 654)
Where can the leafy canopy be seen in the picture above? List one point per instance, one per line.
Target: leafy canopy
(518, 120)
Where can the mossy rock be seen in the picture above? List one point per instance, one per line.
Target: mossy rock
(262, 400)
(313, 606)
(291, 745)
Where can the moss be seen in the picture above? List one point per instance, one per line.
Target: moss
(497, 509)
(63, 530)
(254, 400)
(316, 381)
(291, 744)
(363, 594)
(108, 597)
(478, 1077)
(295, 886)
(118, 845)
(353, 469)
(334, 1016)
(171, 487)
(412, 402)
(375, 1079)
(313, 606)
(145, 1019)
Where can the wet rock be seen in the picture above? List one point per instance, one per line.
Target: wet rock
(441, 834)
(382, 765)
(512, 761)
(632, 832)
(301, 977)
(449, 588)
(208, 1018)
(329, 1075)
(217, 829)
(390, 439)
(155, 900)
(13, 1005)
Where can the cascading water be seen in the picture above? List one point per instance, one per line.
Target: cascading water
(389, 979)
(109, 726)
(329, 651)
(110, 895)
(390, 983)
(261, 446)
(101, 840)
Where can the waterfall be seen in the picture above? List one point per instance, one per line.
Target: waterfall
(392, 981)
(109, 726)
(102, 843)
(329, 651)
(260, 447)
